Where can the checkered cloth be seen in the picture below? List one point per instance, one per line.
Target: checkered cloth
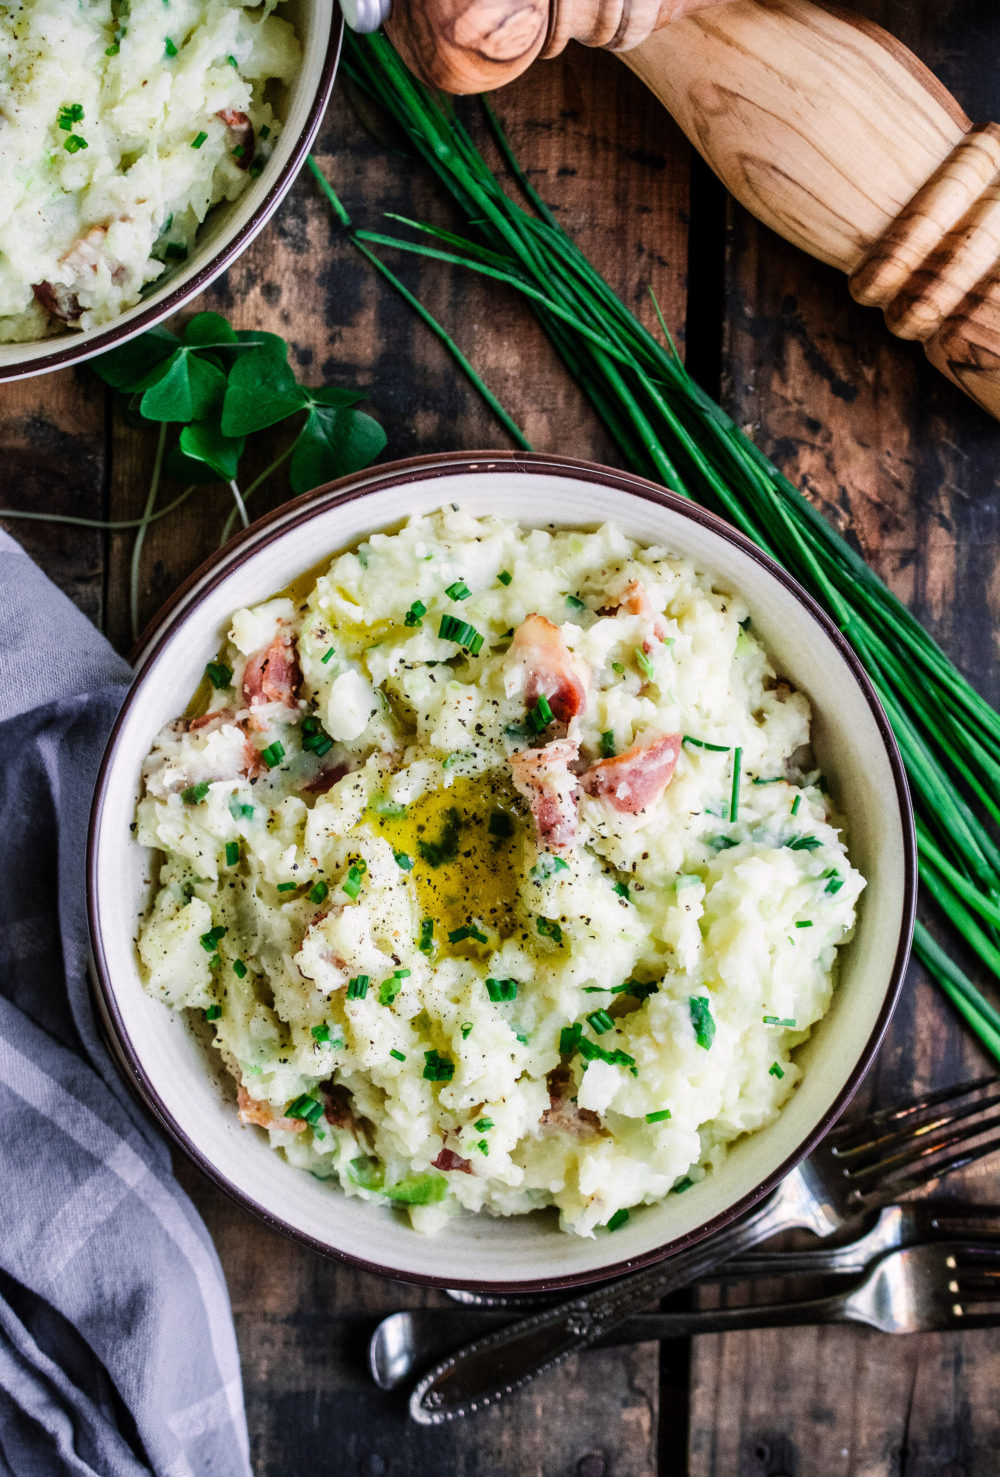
(117, 1351)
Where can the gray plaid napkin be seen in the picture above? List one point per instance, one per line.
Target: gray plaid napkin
(117, 1351)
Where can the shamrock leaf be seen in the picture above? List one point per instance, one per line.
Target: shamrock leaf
(132, 366)
(335, 439)
(262, 390)
(189, 390)
(208, 331)
(204, 442)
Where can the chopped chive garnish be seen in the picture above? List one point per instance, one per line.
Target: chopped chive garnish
(414, 615)
(218, 674)
(321, 1033)
(426, 941)
(501, 989)
(397, 1054)
(834, 881)
(600, 1021)
(549, 930)
(547, 866)
(390, 988)
(327, 655)
(403, 861)
(238, 810)
(777, 1020)
(701, 1020)
(438, 1068)
(175, 251)
(607, 744)
(804, 923)
(467, 931)
(352, 883)
(774, 1070)
(232, 853)
(390, 809)
(239, 969)
(194, 794)
(569, 1039)
(458, 591)
(287, 886)
(482, 1124)
(618, 1219)
(500, 827)
(660, 1116)
(774, 779)
(483, 1146)
(72, 113)
(804, 843)
(721, 843)
(318, 892)
(540, 716)
(232, 61)
(682, 1185)
(209, 940)
(265, 131)
(357, 988)
(505, 576)
(644, 664)
(459, 631)
(703, 744)
(795, 804)
(619, 668)
(306, 1108)
(169, 48)
(575, 603)
(213, 1012)
(592, 1052)
(198, 140)
(445, 848)
(237, 152)
(734, 794)
(273, 754)
(622, 890)
(466, 1030)
(214, 962)
(450, 760)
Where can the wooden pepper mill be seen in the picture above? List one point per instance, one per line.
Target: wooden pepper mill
(821, 123)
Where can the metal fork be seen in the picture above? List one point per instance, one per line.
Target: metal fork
(858, 1167)
(914, 1289)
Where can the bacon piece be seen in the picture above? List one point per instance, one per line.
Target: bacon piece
(540, 649)
(635, 780)
(635, 600)
(263, 1114)
(544, 778)
(272, 675)
(242, 134)
(58, 301)
(325, 780)
(562, 1113)
(448, 1159)
(339, 1107)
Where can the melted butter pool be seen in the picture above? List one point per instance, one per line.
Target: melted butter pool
(465, 841)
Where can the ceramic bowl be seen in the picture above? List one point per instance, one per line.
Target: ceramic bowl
(160, 1054)
(230, 226)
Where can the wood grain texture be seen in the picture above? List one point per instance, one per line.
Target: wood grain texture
(909, 470)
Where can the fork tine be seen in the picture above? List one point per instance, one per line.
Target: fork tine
(889, 1190)
(914, 1130)
(913, 1150)
(848, 1137)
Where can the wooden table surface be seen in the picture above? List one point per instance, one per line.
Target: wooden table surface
(886, 448)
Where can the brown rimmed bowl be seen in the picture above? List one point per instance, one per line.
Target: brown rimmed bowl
(230, 226)
(170, 1069)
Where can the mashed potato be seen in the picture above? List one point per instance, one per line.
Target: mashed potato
(498, 861)
(121, 123)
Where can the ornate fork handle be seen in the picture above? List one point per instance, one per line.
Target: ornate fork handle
(500, 1363)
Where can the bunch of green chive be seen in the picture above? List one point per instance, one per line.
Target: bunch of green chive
(669, 429)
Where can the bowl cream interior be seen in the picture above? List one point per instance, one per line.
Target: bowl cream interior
(850, 747)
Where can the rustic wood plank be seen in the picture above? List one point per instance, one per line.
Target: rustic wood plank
(899, 460)
(53, 459)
